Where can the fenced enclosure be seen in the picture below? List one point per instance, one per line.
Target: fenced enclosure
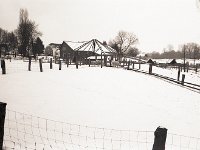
(24, 131)
(28, 132)
(172, 73)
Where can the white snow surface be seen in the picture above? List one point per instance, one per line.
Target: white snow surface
(103, 97)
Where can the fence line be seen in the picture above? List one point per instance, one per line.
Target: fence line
(28, 132)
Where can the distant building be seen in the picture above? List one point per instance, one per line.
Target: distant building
(70, 49)
(85, 49)
(173, 62)
(150, 61)
(55, 49)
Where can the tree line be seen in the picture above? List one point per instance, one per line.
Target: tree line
(188, 51)
(9, 38)
(25, 40)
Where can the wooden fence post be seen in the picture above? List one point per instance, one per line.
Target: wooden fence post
(150, 68)
(70, 58)
(89, 62)
(133, 65)
(128, 65)
(3, 66)
(2, 121)
(160, 136)
(196, 68)
(40, 63)
(101, 60)
(29, 64)
(179, 70)
(183, 79)
(76, 64)
(105, 60)
(51, 63)
(60, 64)
(76, 59)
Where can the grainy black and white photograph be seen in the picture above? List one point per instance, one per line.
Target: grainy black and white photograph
(100, 75)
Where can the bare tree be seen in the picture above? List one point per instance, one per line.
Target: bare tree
(123, 41)
(27, 32)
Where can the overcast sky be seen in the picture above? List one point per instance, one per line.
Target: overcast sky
(157, 23)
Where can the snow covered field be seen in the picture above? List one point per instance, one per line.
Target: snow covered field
(111, 98)
(190, 76)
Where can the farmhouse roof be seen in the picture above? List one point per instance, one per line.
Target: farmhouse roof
(93, 45)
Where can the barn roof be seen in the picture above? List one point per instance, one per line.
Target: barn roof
(93, 45)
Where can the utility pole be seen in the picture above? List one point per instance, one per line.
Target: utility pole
(184, 57)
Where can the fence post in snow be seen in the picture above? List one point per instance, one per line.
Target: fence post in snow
(40, 63)
(150, 68)
(133, 65)
(3, 66)
(76, 59)
(89, 62)
(29, 64)
(2, 120)
(128, 65)
(139, 65)
(76, 64)
(60, 64)
(70, 58)
(183, 79)
(179, 70)
(160, 136)
(196, 68)
(105, 60)
(101, 60)
(51, 65)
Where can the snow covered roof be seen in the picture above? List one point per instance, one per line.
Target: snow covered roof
(92, 45)
(75, 45)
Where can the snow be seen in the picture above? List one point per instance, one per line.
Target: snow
(101, 97)
(190, 76)
(189, 61)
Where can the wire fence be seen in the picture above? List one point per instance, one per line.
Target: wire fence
(16, 66)
(28, 132)
(191, 80)
(24, 131)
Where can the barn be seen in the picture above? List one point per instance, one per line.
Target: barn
(85, 49)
